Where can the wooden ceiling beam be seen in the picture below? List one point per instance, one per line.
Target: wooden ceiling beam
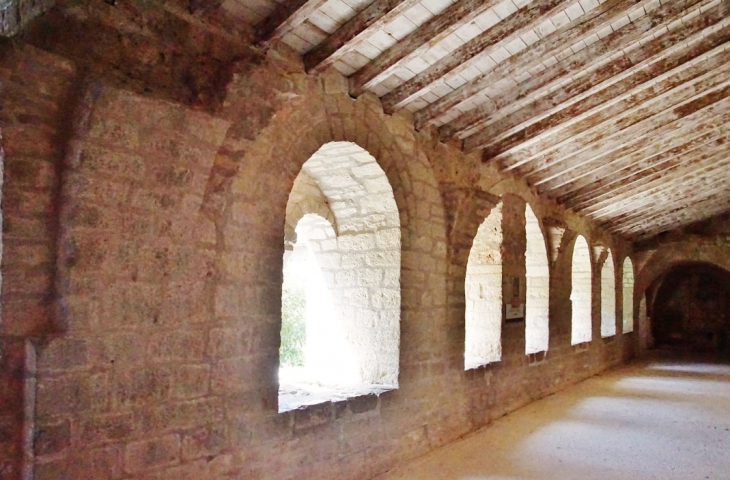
(664, 197)
(633, 62)
(633, 162)
(642, 120)
(418, 41)
(525, 19)
(708, 206)
(699, 162)
(637, 86)
(567, 158)
(614, 182)
(286, 17)
(350, 35)
(556, 41)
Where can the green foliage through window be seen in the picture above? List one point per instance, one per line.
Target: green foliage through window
(293, 330)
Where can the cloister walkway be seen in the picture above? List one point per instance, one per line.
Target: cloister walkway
(664, 418)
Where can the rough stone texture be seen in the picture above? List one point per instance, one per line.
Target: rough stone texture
(161, 359)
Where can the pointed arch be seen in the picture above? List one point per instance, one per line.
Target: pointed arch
(608, 297)
(348, 279)
(483, 294)
(537, 274)
(580, 293)
(628, 295)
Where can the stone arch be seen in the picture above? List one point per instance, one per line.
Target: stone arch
(628, 295)
(288, 144)
(305, 198)
(669, 255)
(581, 292)
(537, 270)
(608, 296)
(351, 279)
(483, 294)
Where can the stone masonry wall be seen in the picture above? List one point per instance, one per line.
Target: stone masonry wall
(161, 362)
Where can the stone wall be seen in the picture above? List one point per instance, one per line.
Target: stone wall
(148, 282)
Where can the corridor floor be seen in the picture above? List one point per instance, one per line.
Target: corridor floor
(659, 419)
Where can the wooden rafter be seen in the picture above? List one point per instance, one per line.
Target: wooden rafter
(643, 68)
(348, 37)
(708, 161)
(428, 34)
(526, 18)
(549, 45)
(286, 17)
(672, 205)
(644, 119)
(608, 181)
(662, 198)
(586, 155)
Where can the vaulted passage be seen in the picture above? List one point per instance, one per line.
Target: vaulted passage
(691, 308)
(316, 239)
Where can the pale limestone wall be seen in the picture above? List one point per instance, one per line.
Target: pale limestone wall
(305, 198)
(608, 297)
(537, 305)
(483, 290)
(580, 294)
(628, 295)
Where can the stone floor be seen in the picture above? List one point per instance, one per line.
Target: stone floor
(664, 418)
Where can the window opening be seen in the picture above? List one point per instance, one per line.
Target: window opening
(580, 294)
(483, 294)
(340, 330)
(628, 293)
(537, 332)
(608, 297)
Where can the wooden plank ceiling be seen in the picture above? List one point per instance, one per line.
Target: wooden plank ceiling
(617, 109)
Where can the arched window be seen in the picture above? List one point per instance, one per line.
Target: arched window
(483, 291)
(608, 297)
(628, 285)
(538, 286)
(341, 288)
(580, 293)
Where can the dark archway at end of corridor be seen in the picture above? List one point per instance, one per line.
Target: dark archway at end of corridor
(691, 307)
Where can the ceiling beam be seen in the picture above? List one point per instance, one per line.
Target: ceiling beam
(644, 69)
(643, 119)
(526, 18)
(700, 161)
(661, 198)
(709, 206)
(568, 156)
(635, 174)
(286, 17)
(631, 62)
(680, 217)
(567, 35)
(418, 41)
(350, 35)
